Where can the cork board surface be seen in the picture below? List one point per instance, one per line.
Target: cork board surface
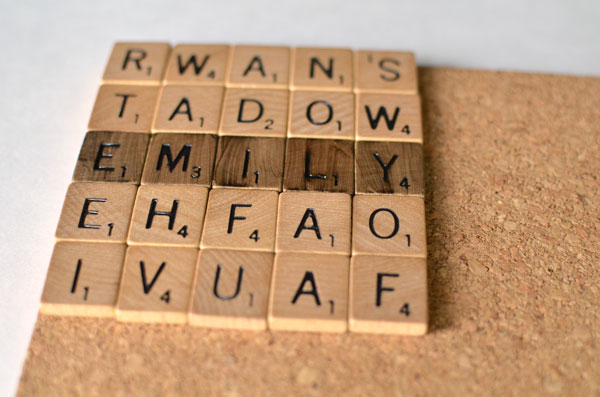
(513, 223)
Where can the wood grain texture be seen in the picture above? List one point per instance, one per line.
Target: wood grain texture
(322, 69)
(136, 63)
(111, 157)
(263, 170)
(385, 117)
(231, 289)
(259, 66)
(385, 72)
(389, 167)
(204, 64)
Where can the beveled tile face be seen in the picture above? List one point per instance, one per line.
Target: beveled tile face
(126, 108)
(327, 115)
(322, 69)
(191, 109)
(136, 63)
(388, 225)
(309, 292)
(241, 219)
(83, 279)
(386, 72)
(390, 118)
(204, 64)
(231, 289)
(388, 294)
(259, 66)
(255, 112)
(97, 212)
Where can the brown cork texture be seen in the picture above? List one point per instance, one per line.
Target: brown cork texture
(512, 182)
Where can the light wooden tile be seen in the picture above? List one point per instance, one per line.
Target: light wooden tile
(389, 167)
(384, 117)
(111, 157)
(255, 112)
(136, 63)
(204, 64)
(192, 109)
(249, 162)
(126, 108)
(388, 295)
(388, 225)
(319, 165)
(83, 279)
(309, 292)
(313, 222)
(386, 71)
(96, 212)
(156, 284)
(259, 66)
(231, 289)
(322, 69)
(319, 114)
(168, 215)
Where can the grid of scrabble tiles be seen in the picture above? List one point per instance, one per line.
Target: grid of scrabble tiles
(248, 187)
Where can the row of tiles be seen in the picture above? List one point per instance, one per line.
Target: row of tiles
(257, 112)
(238, 289)
(262, 66)
(262, 163)
(247, 219)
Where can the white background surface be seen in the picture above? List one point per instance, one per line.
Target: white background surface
(53, 55)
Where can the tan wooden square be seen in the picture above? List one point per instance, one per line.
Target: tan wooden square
(204, 64)
(136, 63)
(386, 72)
(319, 114)
(385, 117)
(259, 66)
(322, 69)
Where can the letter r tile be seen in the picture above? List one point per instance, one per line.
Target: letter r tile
(136, 63)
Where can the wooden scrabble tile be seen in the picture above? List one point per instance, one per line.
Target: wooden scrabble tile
(309, 292)
(319, 164)
(389, 167)
(259, 66)
(126, 108)
(156, 284)
(249, 162)
(388, 225)
(83, 279)
(136, 63)
(388, 295)
(96, 212)
(383, 117)
(193, 109)
(168, 215)
(240, 219)
(111, 157)
(180, 159)
(231, 289)
(255, 112)
(385, 71)
(313, 222)
(315, 114)
(197, 64)
(322, 69)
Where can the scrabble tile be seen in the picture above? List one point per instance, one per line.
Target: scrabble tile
(384, 117)
(389, 167)
(111, 157)
(309, 292)
(204, 64)
(315, 114)
(180, 159)
(313, 222)
(259, 66)
(136, 63)
(322, 69)
(388, 295)
(231, 289)
(96, 212)
(319, 164)
(249, 162)
(385, 72)
(126, 108)
(255, 112)
(388, 225)
(168, 215)
(156, 284)
(83, 279)
(193, 109)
